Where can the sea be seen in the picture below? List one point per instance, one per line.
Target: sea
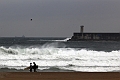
(56, 54)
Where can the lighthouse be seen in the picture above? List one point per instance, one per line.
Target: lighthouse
(81, 30)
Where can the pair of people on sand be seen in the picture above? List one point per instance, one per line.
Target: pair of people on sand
(34, 67)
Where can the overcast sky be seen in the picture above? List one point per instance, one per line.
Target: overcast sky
(57, 18)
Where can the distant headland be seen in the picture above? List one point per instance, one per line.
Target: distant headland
(81, 36)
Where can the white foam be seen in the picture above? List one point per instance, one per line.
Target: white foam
(49, 55)
(62, 40)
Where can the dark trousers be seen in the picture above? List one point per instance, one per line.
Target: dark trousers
(35, 70)
(30, 70)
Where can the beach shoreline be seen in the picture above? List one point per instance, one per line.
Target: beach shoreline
(59, 75)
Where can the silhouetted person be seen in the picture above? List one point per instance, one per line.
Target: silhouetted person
(31, 67)
(34, 66)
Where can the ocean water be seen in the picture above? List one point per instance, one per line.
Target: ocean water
(58, 55)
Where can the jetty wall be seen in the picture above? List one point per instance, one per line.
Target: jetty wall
(95, 37)
(81, 36)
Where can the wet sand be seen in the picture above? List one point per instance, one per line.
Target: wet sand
(59, 76)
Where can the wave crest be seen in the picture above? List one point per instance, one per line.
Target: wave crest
(8, 50)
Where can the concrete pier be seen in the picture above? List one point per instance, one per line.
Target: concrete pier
(95, 37)
(81, 36)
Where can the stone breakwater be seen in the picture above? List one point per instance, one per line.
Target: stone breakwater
(95, 37)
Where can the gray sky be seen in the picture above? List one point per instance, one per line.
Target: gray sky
(57, 18)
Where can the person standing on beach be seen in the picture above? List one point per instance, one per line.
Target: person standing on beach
(35, 66)
(31, 67)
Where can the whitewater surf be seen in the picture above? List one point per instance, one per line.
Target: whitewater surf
(60, 56)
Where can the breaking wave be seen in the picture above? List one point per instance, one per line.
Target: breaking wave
(62, 40)
(51, 55)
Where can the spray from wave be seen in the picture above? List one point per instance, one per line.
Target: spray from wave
(64, 40)
(50, 54)
(56, 39)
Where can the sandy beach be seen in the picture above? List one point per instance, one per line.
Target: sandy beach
(59, 76)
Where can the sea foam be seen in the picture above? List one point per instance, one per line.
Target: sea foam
(50, 55)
